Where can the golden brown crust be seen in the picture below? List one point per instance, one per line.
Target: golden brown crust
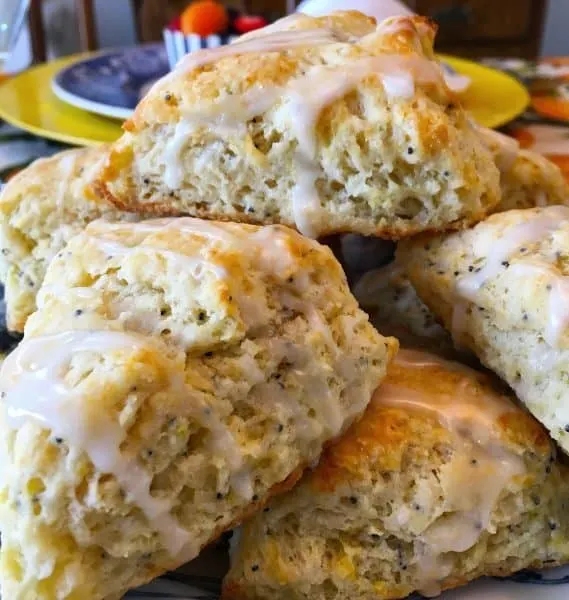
(165, 209)
(390, 428)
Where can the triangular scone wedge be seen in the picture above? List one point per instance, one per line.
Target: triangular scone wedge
(176, 374)
(527, 179)
(329, 124)
(41, 209)
(443, 480)
(502, 288)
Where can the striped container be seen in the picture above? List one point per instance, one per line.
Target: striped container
(178, 44)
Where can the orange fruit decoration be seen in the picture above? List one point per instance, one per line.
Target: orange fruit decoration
(204, 17)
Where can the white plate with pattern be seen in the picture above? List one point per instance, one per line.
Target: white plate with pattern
(546, 585)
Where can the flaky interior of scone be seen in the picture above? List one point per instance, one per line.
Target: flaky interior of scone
(326, 124)
(176, 375)
(41, 209)
(444, 479)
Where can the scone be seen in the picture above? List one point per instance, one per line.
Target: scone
(394, 308)
(40, 210)
(527, 179)
(328, 124)
(176, 374)
(443, 480)
(502, 289)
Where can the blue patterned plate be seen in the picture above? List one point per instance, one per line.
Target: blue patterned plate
(111, 83)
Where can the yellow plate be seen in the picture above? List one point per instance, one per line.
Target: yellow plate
(493, 98)
(27, 101)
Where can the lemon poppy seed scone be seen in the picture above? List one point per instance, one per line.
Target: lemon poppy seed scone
(387, 295)
(176, 374)
(443, 480)
(328, 124)
(527, 179)
(40, 210)
(502, 289)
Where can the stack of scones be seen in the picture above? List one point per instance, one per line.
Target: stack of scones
(194, 361)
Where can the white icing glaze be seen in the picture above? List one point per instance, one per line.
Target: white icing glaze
(513, 238)
(457, 83)
(306, 97)
(34, 382)
(265, 247)
(226, 119)
(67, 165)
(268, 246)
(174, 171)
(558, 304)
(33, 378)
(480, 470)
(266, 41)
(481, 412)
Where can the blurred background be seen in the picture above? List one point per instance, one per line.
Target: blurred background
(518, 79)
(473, 28)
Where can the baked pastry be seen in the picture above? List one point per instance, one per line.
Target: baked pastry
(394, 308)
(40, 210)
(326, 124)
(501, 288)
(443, 480)
(527, 179)
(176, 374)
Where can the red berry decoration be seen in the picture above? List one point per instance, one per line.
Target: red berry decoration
(247, 23)
(174, 24)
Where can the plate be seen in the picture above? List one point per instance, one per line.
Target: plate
(493, 98)
(28, 102)
(111, 83)
(552, 585)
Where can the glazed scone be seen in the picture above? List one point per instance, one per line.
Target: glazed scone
(502, 289)
(527, 179)
(443, 480)
(394, 308)
(328, 124)
(40, 210)
(176, 374)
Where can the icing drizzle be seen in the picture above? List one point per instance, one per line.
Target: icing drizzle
(481, 468)
(515, 237)
(33, 378)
